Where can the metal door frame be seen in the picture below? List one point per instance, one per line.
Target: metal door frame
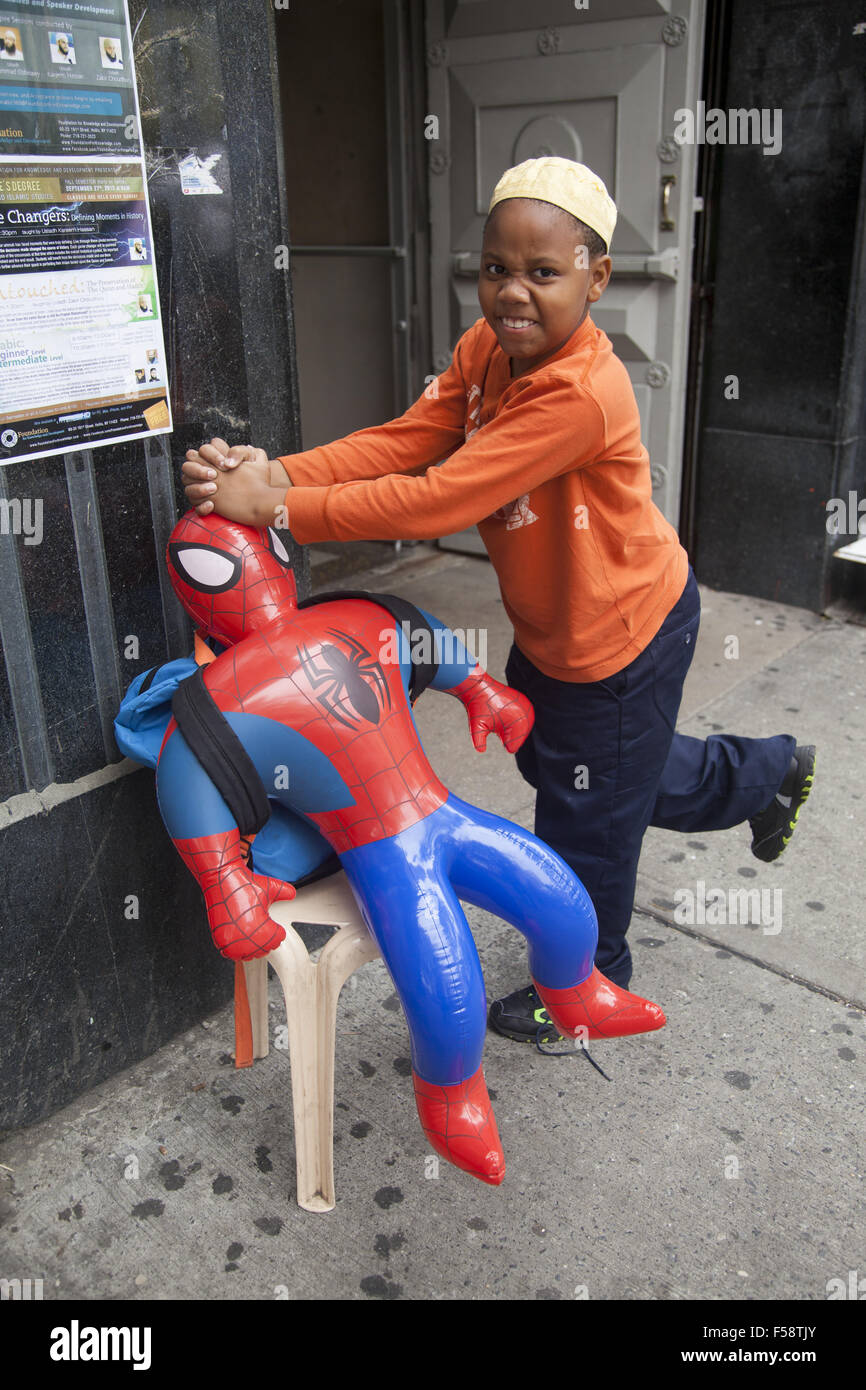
(398, 68)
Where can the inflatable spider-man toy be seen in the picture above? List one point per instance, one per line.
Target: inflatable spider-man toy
(316, 699)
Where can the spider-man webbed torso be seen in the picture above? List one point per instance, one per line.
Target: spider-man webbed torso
(326, 722)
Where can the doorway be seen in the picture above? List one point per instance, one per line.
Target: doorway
(600, 85)
(351, 85)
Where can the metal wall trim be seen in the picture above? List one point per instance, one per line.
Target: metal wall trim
(398, 208)
(98, 609)
(19, 655)
(163, 511)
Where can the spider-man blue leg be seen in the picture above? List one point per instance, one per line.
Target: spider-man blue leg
(408, 888)
(420, 928)
(418, 923)
(498, 866)
(502, 868)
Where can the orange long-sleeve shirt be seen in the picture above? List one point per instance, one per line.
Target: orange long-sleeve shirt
(550, 466)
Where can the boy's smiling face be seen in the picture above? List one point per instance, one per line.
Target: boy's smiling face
(536, 280)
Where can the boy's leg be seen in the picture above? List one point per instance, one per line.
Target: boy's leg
(720, 781)
(596, 755)
(699, 784)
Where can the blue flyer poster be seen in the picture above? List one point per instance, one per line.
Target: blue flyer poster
(82, 352)
(67, 82)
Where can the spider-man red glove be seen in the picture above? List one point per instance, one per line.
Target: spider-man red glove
(494, 708)
(237, 901)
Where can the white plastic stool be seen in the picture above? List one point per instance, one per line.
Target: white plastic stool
(311, 991)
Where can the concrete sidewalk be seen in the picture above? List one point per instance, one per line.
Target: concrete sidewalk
(724, 1158)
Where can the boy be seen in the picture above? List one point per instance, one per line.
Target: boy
(539, 428)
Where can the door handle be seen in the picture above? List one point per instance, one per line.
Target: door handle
(666, 222)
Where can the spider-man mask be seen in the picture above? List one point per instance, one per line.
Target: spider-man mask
(231, 579)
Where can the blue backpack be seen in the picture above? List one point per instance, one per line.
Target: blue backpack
(287, 847)
(145, 711)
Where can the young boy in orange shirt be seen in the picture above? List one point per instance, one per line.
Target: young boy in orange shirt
(538, 426)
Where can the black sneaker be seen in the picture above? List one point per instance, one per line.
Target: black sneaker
(520, 1016)
(773, 827)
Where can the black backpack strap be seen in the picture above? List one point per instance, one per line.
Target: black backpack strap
(221, 753)
(409, 618)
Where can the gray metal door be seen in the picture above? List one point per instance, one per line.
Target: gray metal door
(511, 80)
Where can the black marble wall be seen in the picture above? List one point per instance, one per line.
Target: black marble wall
(787, 315)
(86, 987)
(105, 947)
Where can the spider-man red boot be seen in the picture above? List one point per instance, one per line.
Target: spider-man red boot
(597, 1008)
(459, 1123)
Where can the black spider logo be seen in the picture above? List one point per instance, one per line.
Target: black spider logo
(353, 682)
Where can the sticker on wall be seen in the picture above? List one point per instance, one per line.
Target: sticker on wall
(196, 175)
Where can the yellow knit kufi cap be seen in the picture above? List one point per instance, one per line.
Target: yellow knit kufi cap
(564, 183)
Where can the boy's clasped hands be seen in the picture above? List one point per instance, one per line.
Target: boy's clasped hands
(241, 483)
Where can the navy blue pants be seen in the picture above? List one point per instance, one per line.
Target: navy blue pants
(606, 764)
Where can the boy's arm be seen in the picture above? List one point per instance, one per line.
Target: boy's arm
(545, 429)
(205, 469)
(431, 429)
(426, 433)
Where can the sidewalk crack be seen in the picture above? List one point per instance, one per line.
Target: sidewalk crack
(789, 975)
